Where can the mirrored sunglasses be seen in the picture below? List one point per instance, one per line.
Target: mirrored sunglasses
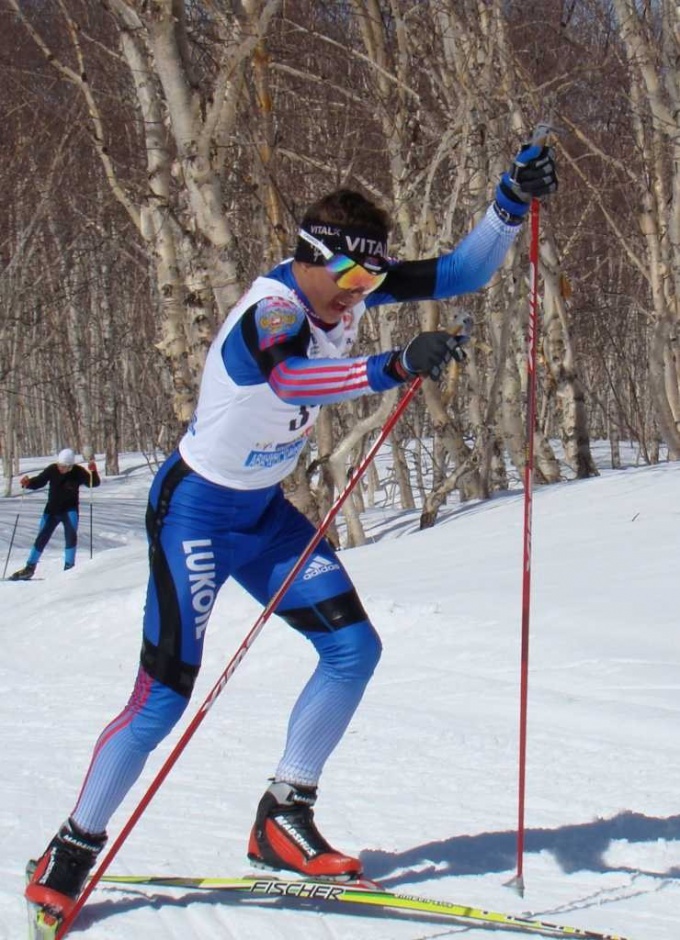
(348, 274)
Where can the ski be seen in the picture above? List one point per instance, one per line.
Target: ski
(20, 580)
(43, 924)
(360, 893)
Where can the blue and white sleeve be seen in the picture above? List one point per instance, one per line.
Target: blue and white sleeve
(467, 268)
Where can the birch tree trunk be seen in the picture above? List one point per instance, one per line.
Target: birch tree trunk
(560, 361)
(651, 39)
(183, 120)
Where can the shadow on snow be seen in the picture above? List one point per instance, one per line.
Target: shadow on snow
(576, 848)
(580, 847)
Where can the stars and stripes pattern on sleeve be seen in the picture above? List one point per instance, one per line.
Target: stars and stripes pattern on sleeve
(301, 381)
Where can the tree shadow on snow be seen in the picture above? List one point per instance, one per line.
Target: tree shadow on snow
(579, 847)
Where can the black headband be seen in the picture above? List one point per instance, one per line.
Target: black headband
(354, 241)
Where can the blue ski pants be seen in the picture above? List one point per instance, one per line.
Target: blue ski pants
(200, 534)
(48, 523)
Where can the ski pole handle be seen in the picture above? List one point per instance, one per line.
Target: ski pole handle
(541, 133)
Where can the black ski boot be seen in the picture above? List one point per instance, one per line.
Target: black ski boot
(285, 836)
(23, 574)
(62, 870)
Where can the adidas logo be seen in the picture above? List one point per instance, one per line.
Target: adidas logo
(319, 565)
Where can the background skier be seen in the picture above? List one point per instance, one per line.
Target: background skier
(64, 478)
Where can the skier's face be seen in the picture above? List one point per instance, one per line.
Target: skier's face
(63, 467)
(329, 302)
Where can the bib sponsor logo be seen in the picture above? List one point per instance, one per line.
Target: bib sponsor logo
(200, 562)
(282, 453)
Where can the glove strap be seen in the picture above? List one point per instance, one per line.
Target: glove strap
(396, 368)
(509, 207)
(506, 216)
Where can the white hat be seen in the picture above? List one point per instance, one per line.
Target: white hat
(66, 457)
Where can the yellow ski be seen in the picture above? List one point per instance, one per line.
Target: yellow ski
(359, 893)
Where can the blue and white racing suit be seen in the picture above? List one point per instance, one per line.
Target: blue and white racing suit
(216, 510)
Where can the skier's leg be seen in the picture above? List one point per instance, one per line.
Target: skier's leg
(170, 661)
(122, 750)
(323, 605)
(48, 523)
(326, 705)
(182, 587)
(70, 521)
(118, 759)
(284, 834)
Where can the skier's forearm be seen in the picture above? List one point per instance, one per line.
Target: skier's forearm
(301, 381)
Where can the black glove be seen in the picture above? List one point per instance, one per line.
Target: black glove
(532, 174)
(427, 354)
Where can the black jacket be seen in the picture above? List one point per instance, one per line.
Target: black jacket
(63, 492)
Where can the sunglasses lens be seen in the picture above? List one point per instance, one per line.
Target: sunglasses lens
(339, 265)
(350, 275)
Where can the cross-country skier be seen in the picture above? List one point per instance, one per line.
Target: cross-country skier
(64, 478)
(216, 509)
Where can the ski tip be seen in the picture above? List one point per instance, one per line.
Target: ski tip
(43, 923)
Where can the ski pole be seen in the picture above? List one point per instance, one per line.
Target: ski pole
(90, 515)
(539, 136)
(526, 568)
(237, 658)
(14, 532)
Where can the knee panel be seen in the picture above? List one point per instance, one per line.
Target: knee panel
(339, 628)
(156, 715)
(348, 654)
(168, 668)
(328, 615)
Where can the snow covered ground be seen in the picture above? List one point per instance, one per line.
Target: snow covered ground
(424, 786)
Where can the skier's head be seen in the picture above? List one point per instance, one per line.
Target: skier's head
(341, 252)
(65, 459)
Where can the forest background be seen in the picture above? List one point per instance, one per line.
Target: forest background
(156, 155)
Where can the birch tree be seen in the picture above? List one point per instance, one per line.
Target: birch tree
(651, 38)
(157, 155)
(185, 110)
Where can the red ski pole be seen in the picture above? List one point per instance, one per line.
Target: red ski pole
(539, 137)
(236, 660)
(528, 508)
